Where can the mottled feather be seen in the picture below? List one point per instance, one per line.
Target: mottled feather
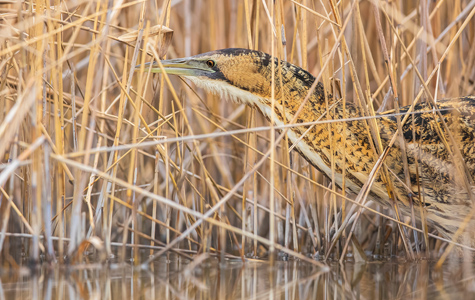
(245, 76)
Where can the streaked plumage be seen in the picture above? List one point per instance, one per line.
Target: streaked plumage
(245, 77)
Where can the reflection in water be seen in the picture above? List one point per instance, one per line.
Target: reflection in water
(234, 280)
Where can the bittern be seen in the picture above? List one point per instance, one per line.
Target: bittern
(438, 146)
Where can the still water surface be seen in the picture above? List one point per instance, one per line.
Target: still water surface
(179, 279)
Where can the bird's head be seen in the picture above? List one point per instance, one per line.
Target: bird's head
(239, 74)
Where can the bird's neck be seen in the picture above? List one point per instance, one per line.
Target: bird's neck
(291, 101)
(289, 87)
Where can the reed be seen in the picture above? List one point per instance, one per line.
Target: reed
(95, 157)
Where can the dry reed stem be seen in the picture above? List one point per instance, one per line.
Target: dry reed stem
(134, 127)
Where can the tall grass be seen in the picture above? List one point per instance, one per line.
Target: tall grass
(97, 157)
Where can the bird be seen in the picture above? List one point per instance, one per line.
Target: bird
(440, 166)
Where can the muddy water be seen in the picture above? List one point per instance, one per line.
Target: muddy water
(179, 279)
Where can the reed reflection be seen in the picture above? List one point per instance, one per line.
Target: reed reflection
(178, 279)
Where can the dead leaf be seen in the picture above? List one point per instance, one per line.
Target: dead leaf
(164, 32)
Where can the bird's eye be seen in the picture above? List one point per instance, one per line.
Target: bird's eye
(210, 63)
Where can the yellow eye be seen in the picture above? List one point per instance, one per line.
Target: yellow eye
(210, 63)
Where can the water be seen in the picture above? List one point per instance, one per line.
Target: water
(180, 279)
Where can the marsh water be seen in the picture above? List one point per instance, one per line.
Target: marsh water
(177, 278)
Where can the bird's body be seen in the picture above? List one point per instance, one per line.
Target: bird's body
(245, 76)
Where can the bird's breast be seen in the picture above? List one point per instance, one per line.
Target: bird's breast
(312, 148)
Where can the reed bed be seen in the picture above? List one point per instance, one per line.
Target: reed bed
(97, 158)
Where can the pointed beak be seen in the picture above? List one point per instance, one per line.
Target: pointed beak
(179, 66)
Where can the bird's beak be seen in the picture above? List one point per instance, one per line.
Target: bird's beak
(179, 66)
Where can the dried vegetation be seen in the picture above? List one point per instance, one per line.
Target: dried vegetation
(98, 158)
